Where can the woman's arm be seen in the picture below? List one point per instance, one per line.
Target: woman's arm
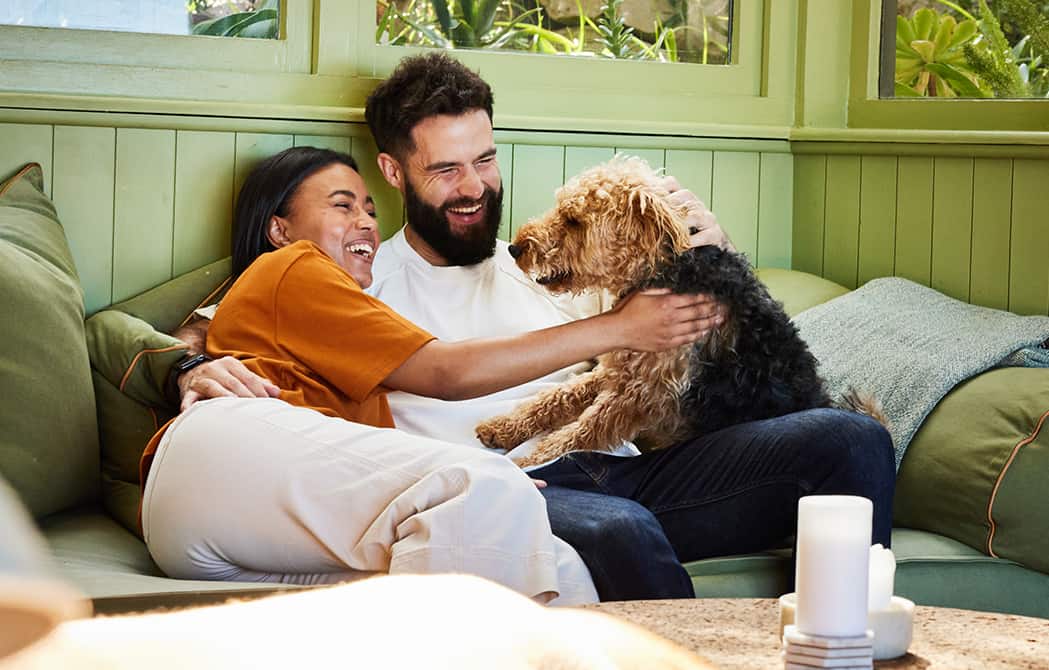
(652, 321)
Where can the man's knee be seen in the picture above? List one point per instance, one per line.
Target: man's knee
(619, 524)
(856, 446)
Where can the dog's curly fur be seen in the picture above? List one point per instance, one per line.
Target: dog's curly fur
(614, 229)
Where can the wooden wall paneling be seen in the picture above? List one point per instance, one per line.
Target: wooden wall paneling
(694, 170)
(914, 188)
(810, 182)
(83, 196)
(877, 255)
(204, 167)
(388, 204)
(505, 155)
(734, 196)
(655, 158)
(774, 210)
(842, 230)
(991, 223)
(538, 172)
(335, 143)
(578, 159)
(952, 226)
(22, 143)
(1029, 270)
(251, 148)
(144, 209)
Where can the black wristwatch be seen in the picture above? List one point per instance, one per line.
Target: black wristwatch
(190, 362)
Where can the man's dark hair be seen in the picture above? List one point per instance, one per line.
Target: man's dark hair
(267, 192)
(421, 87)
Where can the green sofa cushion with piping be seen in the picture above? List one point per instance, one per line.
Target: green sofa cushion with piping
(49, 442)
(977, 469)
(131, 357)
(799, 290)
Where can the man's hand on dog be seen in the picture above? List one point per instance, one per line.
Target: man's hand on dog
(681, 319)
(698, 217)
(224, 377)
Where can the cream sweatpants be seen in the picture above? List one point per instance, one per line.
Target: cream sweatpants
(259, 490)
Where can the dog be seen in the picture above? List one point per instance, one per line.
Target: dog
(613, 229)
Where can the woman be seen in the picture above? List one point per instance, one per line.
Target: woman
(329, 490)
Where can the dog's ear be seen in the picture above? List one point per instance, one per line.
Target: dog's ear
(663, 225)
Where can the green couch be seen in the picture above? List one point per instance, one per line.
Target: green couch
(80, 401)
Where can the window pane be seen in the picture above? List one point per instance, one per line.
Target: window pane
(688, 31)
(225, 18)
(965, 49)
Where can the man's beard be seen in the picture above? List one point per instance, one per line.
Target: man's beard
(431, 224)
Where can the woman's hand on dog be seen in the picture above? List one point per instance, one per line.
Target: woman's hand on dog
(657, 320)
(700, 221)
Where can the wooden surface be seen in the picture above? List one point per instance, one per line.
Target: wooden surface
(743, 634)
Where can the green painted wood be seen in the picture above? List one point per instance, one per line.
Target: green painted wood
(694, 170)
(914, 218)
(538, 172)
(83, 196)
(388, 204)
(842, 233)
(991, 223)
(578, 159)
(22, 143)
(655, 158)
(143, 211)
(204, 167)
(250, 148)
(775, 211)
(734, 198)
(1029, 270)
(877, 250)
(810, 187)
(333, 142)
(505, 156)
(952, 226)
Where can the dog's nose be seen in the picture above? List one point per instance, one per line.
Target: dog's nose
(515, 251)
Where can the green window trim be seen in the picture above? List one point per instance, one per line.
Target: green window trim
(866, 110)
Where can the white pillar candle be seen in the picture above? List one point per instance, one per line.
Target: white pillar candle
(834, 539)
(882, 576)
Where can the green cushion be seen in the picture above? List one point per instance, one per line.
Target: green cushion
(799, 290)
(49, 442)
(978, 467)
(130, 361)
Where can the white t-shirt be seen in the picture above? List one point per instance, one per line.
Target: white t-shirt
(490, 299)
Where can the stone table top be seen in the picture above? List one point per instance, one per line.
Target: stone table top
(743, 633)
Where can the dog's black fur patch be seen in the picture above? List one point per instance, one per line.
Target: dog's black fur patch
(763, 369)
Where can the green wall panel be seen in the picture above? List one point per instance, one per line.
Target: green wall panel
(914, 184)
(332, 142)
(991, 223)
(22, 143)
(1029, 270)
(693, 169)
(143, 210)
(505, 155)
(734, 198)
(774, 210)
(538, 172)
(388, 205)
(810, 187)
(842, 232)
(952, 226)
(654, 157)
(578, 159)
(877, 218)
(250, 148)
(204, 165)
(83, 195)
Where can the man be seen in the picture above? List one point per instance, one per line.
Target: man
(633, 518)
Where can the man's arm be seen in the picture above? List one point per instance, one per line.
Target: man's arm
(224, 377)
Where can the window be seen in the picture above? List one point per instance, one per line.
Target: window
(965, 49)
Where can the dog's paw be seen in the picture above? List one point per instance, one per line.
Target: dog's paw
(497, 433)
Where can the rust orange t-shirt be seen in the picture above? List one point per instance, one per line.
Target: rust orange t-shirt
(298, 319)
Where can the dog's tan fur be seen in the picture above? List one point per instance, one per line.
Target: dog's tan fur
(622, 210)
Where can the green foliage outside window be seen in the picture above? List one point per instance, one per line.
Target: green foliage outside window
(972, 49)
(247, 18)
(696, 31)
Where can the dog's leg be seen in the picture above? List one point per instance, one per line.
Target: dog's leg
(549, 410)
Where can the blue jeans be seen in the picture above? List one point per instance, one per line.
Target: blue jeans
(634, 520)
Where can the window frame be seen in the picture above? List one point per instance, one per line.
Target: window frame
(868, 110)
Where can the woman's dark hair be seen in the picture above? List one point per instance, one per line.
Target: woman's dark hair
(421, 87)
(267, 192)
